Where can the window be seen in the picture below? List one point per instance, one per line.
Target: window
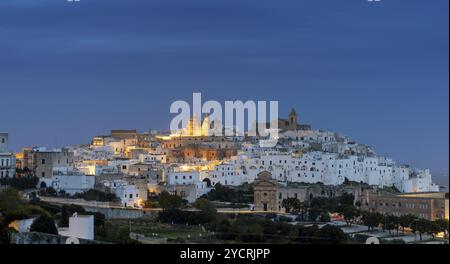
(43, 161)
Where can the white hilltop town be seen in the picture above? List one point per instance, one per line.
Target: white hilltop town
(191, 163)
(123, 175)
(127, 170)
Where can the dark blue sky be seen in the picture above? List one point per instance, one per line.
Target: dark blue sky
(377, 72)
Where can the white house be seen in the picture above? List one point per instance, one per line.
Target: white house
(227, 174)
(80, 226)
(7, 159)
(71, 183)
(191, 182)
(129, 194)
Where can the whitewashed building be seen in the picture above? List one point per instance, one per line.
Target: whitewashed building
(129, 194)
(191, 182)
(7, 159)
(326, 167)
(80, 226)
(71, 182)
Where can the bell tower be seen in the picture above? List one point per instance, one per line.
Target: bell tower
(3, 142)
(293, 120)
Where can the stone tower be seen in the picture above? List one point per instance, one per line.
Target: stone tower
(293, 120)
(3, 142)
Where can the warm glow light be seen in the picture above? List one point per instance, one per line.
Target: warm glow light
(193, 129)
(205, 167)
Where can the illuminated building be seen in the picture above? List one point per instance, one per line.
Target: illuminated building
(193, 142)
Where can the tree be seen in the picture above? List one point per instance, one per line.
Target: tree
(24, 212)
(223, 230)
(442, 225)
(422, 226)
(290, 203)
(396, 223)
(244, 194)
(49, 191)
(330, 234)
(314, 213)
(293, 233)
(64, 221)
(407, 221)
(302, 209)
(326, 204)
(97, 195)
(433, 228)
(390, 222)
(346, 199)
(254, 233)
(371, 220)
(9, 200)
(169, 201)
(349, 212)
(44, 224)
(205, 205)
(325, 217)
(22, 183)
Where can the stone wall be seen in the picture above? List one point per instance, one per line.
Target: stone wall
(42, 238)
(122, 213)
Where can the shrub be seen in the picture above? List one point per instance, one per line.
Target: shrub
(44, 224)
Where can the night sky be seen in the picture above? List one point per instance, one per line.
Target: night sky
(377, 72)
